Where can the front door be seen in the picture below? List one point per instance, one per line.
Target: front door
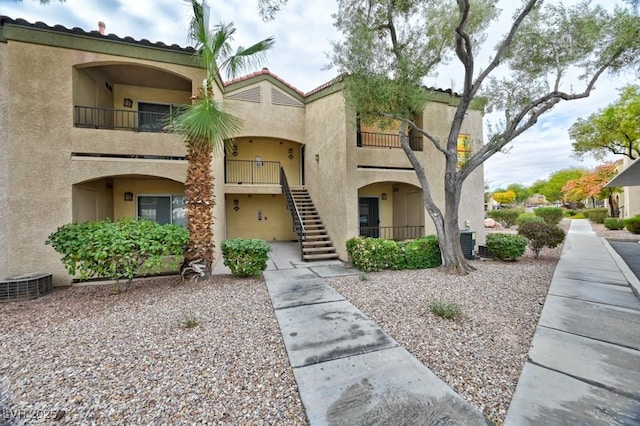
(368, 209)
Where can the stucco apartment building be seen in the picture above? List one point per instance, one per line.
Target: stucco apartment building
(84, 137)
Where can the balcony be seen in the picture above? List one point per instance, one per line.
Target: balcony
(386, 140)
(118, 119)
(245, 172)
(396, 233)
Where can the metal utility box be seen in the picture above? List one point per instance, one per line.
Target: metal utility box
(468, 242)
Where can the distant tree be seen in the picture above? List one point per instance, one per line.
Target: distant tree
(522, 192)
(506, 197)
(592, 184)
(390, 47)
(552, 188)
(269, 8)
(613, 130)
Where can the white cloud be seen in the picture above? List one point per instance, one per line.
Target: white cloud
(303, 31)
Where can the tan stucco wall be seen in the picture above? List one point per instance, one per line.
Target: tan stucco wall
(275, 150)
(385, 206)
(4, 161)
(630, 198)
(93, 200)
(326, 132)
(244, 223)
(42, 139)
(265, 119)
(137, 186)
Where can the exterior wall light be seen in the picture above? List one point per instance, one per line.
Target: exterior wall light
(234, 150)
(128, 103)
(290, 153)
(236, 205)
(128, 196)
(317, 158)
(384, 196)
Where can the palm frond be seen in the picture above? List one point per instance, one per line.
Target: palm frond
(245, 58)
(205, 122)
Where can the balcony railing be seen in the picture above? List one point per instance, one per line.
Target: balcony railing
(252, 172)
(119, 119)
(387, 140)
(397, 233)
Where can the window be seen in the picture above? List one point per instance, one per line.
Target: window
(162, 209)
(153, 117)
(464, 149)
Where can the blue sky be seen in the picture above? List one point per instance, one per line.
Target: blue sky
(303, 32)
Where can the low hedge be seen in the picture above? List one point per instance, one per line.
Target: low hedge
(541, 235)
(613, 223)
(550, 215)
(529, 218)
(633, 224)
(245, 257)
(595, 215)
(506, 217)
(376, 254)
(506, 246)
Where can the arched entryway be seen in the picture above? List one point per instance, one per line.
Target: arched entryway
(391, 210)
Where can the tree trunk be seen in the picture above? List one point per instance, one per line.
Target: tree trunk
(613, 206)
(199, 198)
(453, 260)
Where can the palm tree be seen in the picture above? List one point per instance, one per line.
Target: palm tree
(205, 127)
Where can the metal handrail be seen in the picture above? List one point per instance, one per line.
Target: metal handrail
(293, 208)
(396, 233)
(386, 140)
(251, 172)
(119, 119)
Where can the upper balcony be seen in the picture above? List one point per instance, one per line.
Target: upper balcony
(387, 140)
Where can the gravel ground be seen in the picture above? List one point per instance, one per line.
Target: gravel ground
(92, 357)
(127, 359)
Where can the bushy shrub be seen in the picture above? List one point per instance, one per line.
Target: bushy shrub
(633, 224)
(595, 215)
(569, 212)
(506, 246)
(528, 218)
(245, 257)
(550, 215)
(541, 235)
(422, 253)
(506, 217)
(445, 309)
(375, 254)
(119, 249)
(578, 215)
(613, 223)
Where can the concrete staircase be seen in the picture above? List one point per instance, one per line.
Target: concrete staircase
(316, 244)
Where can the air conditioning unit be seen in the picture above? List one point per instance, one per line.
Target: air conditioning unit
(25, 286)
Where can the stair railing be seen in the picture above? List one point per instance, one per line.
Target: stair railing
(293, 208)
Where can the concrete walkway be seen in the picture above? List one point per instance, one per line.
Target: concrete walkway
(584, 363)
(348, 370)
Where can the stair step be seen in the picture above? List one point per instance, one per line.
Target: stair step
(316, 237)
(325, 256)
(306, 250)
(317, 243)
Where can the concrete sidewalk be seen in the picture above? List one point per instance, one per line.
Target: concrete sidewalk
(584, 363)
(348, 370)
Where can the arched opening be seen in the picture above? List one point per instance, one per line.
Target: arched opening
(391, 210)
(127, 96)
(141, 196)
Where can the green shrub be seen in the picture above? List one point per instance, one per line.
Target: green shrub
(506, 246)
(376, 254)
(569, 212)
(613, 223)
(550, 215)
(579, 215)
(633, 224)
(422, 253)
(120, 249)
(245, 257)
(529, 218)
(595, 215)
(506, 217)
(444, 309)
(541, 235)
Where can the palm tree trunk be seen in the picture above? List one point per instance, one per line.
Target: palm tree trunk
(199, 198)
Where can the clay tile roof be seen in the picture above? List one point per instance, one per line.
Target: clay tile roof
(264, 71)
(94, 34)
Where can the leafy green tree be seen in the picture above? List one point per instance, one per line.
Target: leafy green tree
(521, 191)
(206, 127)
(613, 130)
(552, 188)
(389, 48)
